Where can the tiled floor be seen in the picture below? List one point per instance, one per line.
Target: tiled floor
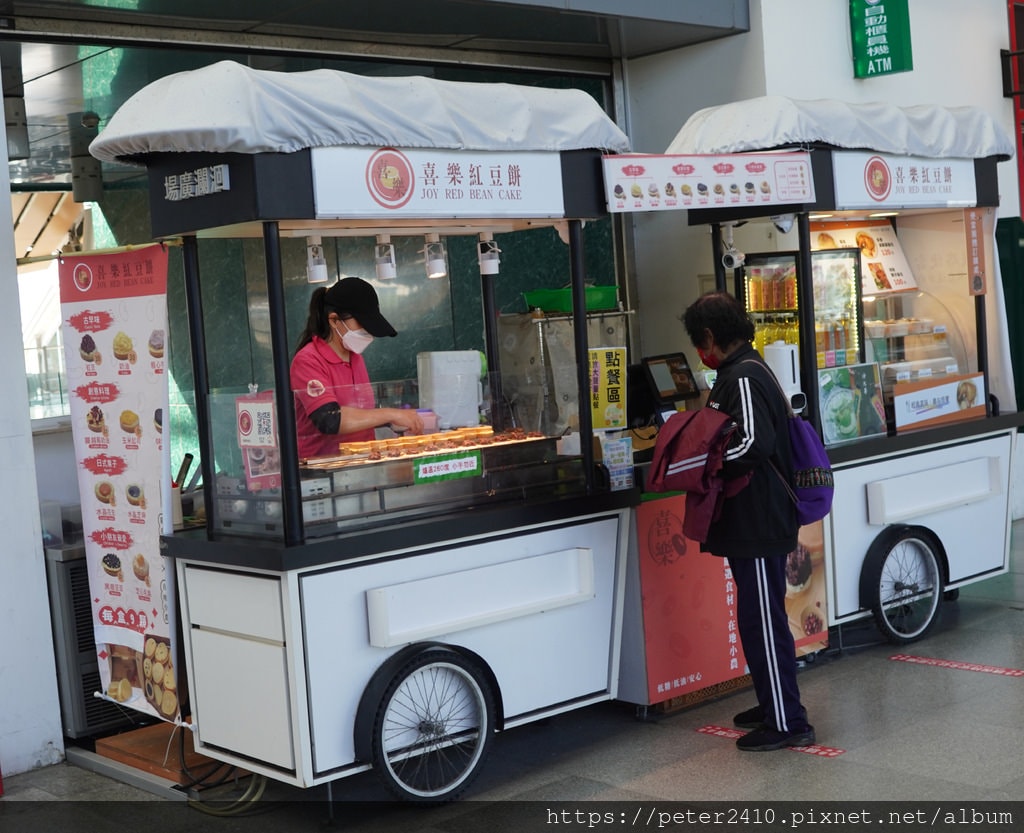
(901, 731)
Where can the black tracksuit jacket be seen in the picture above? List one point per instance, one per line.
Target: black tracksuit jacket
(760, 520)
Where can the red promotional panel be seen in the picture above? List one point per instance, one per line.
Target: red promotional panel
(689, 606)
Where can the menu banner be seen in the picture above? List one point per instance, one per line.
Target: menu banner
(673, 182)
(114, 311)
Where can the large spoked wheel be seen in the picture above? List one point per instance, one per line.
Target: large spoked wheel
(433, 727)
(902, 582)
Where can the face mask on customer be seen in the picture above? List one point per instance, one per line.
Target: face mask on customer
(710, 360)
(355, 341)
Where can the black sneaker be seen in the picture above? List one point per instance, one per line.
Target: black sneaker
(750, 719)
(766, 739)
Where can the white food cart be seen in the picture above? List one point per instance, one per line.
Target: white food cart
(913, 316)
(364, 614)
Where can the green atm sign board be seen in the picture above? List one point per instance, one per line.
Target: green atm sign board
(881, 37)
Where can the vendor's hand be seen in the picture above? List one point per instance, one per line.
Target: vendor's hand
(406, 419)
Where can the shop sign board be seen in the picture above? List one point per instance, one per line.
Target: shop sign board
(865, 180)
(673, 182)
(880, 33)
(435, 183)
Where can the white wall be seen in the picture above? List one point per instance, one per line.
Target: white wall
(30, 725)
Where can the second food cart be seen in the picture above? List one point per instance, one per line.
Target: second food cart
(888, 319)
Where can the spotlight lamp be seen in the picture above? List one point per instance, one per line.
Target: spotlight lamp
(384, 257)
(316, 263)
(434, 257)
(487, 254)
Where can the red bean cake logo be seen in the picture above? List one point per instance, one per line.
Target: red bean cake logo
(389, 178)
(877, 178)
(83, 277)
(665, 541)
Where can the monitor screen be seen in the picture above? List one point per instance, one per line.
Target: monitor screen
(670, 377)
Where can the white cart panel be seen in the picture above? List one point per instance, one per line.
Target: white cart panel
(540, 655)
(960, 491)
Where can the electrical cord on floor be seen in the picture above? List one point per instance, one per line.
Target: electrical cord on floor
(202, 780)
(246, 804)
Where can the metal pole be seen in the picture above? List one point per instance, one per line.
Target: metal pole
(291, 496)
(200, 371)
(492, 347)
(716, 257)
(577, 275)
(805, 313)
(981, 326)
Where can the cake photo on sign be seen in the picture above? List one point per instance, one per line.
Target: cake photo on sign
(156, 344)
(798, 570)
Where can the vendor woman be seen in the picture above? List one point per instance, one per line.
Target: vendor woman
(334, 400)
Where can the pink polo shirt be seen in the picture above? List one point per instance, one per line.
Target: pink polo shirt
(320, 377)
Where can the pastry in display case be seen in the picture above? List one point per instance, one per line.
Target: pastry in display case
(913, 337)
(393, 476)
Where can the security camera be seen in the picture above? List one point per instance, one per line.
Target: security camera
(732, 258)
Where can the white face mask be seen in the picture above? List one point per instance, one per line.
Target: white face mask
(355, 341)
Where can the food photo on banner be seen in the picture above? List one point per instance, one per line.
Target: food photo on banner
(114, 319)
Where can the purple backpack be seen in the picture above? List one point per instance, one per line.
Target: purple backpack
(813, 485)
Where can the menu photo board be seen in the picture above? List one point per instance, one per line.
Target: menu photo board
(851, 403)
(884, 266)
(673, 182)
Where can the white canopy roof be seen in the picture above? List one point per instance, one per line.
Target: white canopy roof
(775, 121)
(228, 107)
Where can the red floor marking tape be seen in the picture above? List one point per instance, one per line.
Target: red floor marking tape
(733, 734)
(959, 666)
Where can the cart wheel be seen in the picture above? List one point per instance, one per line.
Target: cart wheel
(951, 595)
(433, 727)
(901, 581)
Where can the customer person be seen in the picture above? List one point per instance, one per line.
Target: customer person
(334, 399)
(757, 527)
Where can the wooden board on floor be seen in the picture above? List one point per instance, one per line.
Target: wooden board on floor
(157, 750)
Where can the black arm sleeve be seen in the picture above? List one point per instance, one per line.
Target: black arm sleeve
(327, 418)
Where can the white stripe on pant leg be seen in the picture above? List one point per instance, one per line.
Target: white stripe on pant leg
(768, 632)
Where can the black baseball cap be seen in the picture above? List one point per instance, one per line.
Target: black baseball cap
(356, 297)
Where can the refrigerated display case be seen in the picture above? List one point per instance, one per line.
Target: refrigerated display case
(768, 283)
